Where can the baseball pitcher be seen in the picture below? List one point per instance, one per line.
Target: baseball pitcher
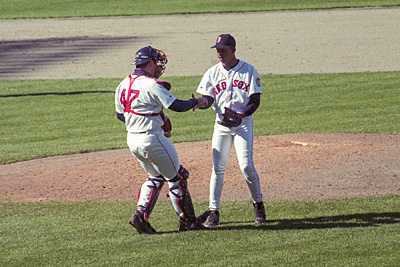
(234, 88)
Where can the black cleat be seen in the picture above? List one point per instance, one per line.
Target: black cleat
(182, 225)
(212, 219)
(141, 226)
(203, 217)
(259, 213)
(187, 226)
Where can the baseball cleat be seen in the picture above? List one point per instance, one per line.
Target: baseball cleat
(213, 219)
(196, 227)
(259, 213)
(203, 217)
(141, 226)
(182, 225)
(187, 226)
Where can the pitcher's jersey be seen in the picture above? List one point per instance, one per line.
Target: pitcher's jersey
(141, 99)
(230, 88)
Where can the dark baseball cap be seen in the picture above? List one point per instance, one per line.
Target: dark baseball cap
(224, 41)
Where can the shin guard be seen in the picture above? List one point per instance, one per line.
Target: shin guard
(182, 201)
(186, 204)
(148, 195)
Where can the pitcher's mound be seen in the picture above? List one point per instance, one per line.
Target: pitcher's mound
(291, 167)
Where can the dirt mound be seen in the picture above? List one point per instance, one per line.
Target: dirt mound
(291, 167)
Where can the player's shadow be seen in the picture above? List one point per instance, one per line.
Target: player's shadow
(340, 221)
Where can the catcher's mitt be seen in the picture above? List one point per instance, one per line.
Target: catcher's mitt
(231, 118)
(167, 127)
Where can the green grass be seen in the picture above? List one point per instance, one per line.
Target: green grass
(42, 118)
(345, 232)
(47, 118)
(346, 103)
(22, 9)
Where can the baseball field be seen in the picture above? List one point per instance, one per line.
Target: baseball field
(327, 144)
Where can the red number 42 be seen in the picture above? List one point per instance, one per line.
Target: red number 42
(127, 103)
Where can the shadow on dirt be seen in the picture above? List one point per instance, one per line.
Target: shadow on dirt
(21, 56)
(59, 93)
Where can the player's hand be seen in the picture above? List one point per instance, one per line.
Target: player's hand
(202, 102)
(193, 98)
(167, 127)
(168, 134)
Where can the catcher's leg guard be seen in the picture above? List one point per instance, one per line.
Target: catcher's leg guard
(148, 195)
(182, 225)
(186, 204)
(182, 201)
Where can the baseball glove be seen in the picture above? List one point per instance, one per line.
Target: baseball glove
(231, 118)
(167, 127)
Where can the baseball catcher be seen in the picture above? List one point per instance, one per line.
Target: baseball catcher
(139, 100)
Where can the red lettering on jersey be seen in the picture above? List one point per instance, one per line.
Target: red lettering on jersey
(215, 91)
(235, 83)
(223, 85)
(219, 87)
(241, 85)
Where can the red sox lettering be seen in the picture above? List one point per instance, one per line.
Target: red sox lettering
(236, 83)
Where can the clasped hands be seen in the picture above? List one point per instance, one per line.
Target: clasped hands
(202, 102)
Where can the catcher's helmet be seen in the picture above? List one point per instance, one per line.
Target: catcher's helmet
(148, 53)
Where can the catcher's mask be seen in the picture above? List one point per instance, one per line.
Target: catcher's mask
(148, 53)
